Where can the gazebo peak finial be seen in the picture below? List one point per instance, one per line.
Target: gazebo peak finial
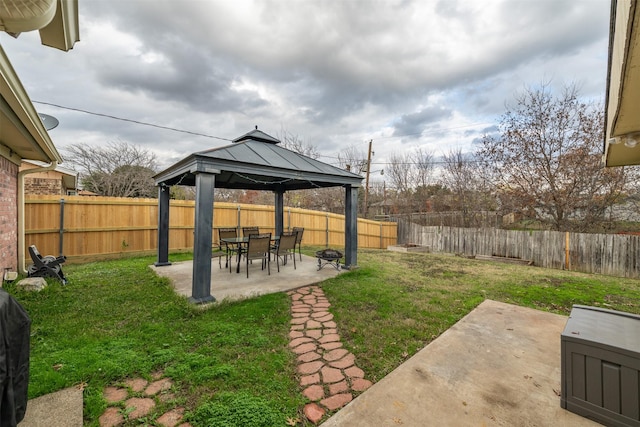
(257, 135)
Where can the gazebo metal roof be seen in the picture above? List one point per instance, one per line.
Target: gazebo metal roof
(253, 161)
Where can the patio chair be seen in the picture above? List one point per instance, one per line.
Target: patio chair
(247, 231)
(258, 247)
(300, 232)
(229, 249)
(47, 266)
(285, 247)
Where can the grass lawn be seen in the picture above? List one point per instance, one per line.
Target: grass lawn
(230, 363)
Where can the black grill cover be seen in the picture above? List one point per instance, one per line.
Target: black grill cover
(15, 328)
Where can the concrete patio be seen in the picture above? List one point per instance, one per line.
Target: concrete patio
(498, 366)
(235, 286)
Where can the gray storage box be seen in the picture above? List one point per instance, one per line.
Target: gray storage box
(600, 352)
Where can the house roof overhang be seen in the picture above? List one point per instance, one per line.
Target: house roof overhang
(22, 133)
(623, 86)
(64, 30)
(21, 130)
(56, 20)
(257, 164)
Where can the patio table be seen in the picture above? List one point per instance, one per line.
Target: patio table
(241, 241)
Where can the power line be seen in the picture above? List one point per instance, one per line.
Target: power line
(130, 120)
(109, 116)
(413, 134)
(434, 162)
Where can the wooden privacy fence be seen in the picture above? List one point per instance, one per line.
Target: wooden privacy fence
(610, 254)
(94, 227)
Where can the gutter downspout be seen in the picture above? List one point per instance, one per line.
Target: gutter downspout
(21, 229)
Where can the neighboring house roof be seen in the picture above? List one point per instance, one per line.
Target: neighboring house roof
(22, 134)
(68, 176)
(623, 86)
(255, 161)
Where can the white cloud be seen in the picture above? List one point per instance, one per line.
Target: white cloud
(333, 73)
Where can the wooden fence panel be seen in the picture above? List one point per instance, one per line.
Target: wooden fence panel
(106, 226)
(257, 215)
(336, 230)
(609, 254)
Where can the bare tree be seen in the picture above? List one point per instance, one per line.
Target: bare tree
(410, 174)
(184, 192)
(116, 169)
(355, 160)
(547, 159)
(306, 199)
(410, 170)
(469, 190)
(424, 167)
(295, 143)
(399, 172)
(352, 158)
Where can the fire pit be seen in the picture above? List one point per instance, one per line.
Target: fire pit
(328, 257)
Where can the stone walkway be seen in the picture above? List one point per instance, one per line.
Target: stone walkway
(139, 399)
(328, 373)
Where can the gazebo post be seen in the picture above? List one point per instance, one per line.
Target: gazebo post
(279, 210)
(202, 239)
(163, 226)
(351, 227)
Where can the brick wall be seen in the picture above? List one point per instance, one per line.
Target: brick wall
(42, 186)
(8, 215)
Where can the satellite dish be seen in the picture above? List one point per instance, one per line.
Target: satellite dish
(48, 121)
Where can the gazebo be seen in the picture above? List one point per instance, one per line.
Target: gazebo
(253, 161)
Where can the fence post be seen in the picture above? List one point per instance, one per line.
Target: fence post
(327, 230)
(567, 259)
(61, 226)
(238, 220)
(289, 219)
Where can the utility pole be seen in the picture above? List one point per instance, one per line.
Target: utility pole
(366, 185)
(384, 198)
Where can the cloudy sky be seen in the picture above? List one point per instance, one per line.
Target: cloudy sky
(404, 73)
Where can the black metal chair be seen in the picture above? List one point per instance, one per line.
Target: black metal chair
(46, 266)
(300, 232)
(228, 248)
(258, 247)
(285, 246)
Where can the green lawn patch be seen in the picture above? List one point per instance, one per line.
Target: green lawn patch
(117, 319)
